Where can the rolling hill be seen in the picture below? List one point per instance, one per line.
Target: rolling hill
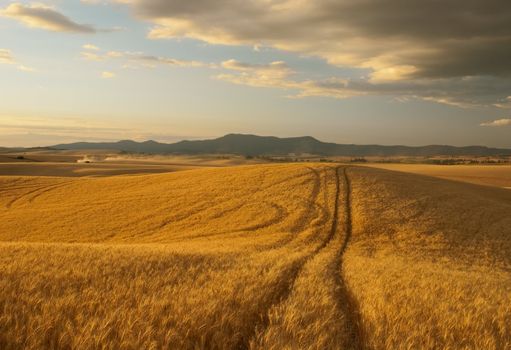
(268, 145)
(286, 256)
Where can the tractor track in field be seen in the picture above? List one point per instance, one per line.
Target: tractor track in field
(33, 194)
(203, 206)
(46, 190)
(283, 293)
(281, 212)
(347, 301)
(14, 188)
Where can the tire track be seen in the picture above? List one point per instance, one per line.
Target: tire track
(283, 293)
(36, 193)
(347, 302)
(205, 205)
(282, 212)
(46, 190)
(306, 217)
(12, 188)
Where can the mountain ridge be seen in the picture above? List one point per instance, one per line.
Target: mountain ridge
(254, 145)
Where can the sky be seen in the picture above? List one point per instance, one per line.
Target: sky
(349, 71)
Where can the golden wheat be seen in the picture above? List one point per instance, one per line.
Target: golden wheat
(263, 257)
(183, 260)
(490, 175)
(429, 262)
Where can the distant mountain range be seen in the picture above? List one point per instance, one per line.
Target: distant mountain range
(268, 145)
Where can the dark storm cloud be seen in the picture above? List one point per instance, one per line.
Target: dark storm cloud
(455, 51)
(440, 38)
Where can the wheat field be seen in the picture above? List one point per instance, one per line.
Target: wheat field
(490, 175)
(289, 256)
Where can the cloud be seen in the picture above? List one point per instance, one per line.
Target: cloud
(274, 75)
(90, 47)
(25, 68)
(91, 56)
(107, 75)
(44, 17)
(243, 66)
(6, 56)
(461, 92)
(498, 122)
(424, 43)
(369, 33)
(504, 103)
(152, 60)
(140, 59)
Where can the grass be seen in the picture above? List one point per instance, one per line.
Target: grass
(262, 257)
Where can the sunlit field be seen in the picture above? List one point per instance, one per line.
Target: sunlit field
(429, 262)
(490, 175)
(292, 256)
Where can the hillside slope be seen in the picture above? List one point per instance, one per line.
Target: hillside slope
(260, 257)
